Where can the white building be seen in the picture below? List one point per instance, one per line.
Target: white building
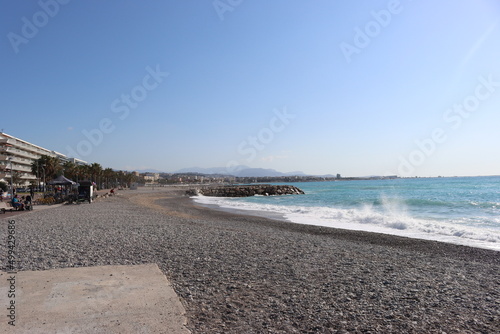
(20, 154)
(151, 177)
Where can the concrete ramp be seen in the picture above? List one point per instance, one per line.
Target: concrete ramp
(106, 299)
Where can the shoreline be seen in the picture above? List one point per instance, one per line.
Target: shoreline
(185, 205)
(275, 215)
(481, 241)
(246, 274)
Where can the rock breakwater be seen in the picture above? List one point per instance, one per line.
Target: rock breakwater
(246, 190)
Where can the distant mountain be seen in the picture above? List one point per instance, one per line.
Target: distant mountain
(213, 170)
(149, 171)
(241, 171)
(261, 172)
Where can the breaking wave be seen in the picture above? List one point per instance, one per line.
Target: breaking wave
(393, 218)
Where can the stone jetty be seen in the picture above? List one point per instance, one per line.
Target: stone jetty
(246, 190)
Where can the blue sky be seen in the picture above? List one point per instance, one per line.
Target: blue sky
(351, 87)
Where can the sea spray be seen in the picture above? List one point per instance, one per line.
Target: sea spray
(455, 210)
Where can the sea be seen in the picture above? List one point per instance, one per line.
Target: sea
(458, 210)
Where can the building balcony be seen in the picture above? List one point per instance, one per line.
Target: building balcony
(18, 152)
(8, 141)
(34, 149)
(23, 175)
(19, 168)
(24, 146)
(15, 160)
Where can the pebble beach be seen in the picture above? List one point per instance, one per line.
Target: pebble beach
(248, 274)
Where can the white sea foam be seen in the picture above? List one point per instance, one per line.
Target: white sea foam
(394, 220)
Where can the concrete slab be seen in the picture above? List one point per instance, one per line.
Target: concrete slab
(106, 299)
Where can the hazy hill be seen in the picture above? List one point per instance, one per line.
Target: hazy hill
(241, 171)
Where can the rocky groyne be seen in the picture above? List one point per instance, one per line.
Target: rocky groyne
(246, 190)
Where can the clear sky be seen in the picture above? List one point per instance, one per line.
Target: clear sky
(352, 87)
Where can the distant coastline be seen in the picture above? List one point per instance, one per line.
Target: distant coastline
(201, 178)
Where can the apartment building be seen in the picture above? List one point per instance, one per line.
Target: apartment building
(17, 155)
(151, 177)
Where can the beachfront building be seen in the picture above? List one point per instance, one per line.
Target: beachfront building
(17, 155)
(151, 177)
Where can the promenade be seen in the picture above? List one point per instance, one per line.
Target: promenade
(101, 299)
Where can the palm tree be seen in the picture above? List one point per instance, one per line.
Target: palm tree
(83, 172)
(50, 165)
(54, 167)
(95, 172)
(109, 175)
(124, 178)
(129, 178)
(70, 170)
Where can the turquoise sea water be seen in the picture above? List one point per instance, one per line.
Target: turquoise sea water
(460, 210)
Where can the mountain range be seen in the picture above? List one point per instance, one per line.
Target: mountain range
(240, 171)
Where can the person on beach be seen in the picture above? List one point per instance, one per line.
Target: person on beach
(16, 204)
(28, 202)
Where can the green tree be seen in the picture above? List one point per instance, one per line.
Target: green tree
(125, 178)
(51, 166)
(70, 170)
(109, 177)
(96, 172)
(130, 178)
(83, 172)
